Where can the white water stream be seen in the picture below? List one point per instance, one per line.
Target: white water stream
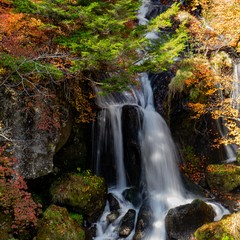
(159, 161)
(159, 158)
(231, 149)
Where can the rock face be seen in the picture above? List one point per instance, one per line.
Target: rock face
(57, 224)
(225, 177)
(34, 125)
(85, 194)
(182, 221)
(131, 122)
(159, 83)
(228, 228)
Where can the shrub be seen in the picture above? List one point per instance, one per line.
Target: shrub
(14, 198)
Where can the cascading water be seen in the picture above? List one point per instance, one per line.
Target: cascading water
(231, 149)
(160, 180)
(159, 157)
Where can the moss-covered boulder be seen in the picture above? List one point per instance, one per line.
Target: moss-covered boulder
(84, 193)
(57, 224)
(226, 229)
(224, 177)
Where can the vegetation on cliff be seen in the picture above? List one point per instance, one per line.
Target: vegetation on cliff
(73, 44)
(206, 75)
(16, 202)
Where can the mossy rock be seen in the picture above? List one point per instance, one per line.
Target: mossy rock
(84, 193)
(224, 177)
(57, 224)
(226, 229)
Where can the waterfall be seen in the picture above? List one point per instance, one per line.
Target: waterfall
(159, 157)
(231, 149)
(235, 96)
(160, 183)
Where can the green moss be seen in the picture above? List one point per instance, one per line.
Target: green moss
(224, 177)
(84, 193)
(226, 229)
(58, 224)
(77, 217)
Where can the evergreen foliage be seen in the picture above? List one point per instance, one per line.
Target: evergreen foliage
(104, 37)
(77, 42)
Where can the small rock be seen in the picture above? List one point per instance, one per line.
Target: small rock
(127, 224)
(113, 202)
(144, 222)
(111, 217)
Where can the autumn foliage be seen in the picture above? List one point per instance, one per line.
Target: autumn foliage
(208, 76)
(15, 201)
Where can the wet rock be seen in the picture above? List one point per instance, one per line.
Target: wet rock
(111, 217)
(224, 177)
(84, 193)
(91, 232)
(57, 224)
(132, 195)
(159, 83)
(127, 223)
(227, 228)
(131, 123)
(113, 202)
(183, 220)
(144, 222)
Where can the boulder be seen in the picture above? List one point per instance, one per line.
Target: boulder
(227, 228)
(223, 177)
(144, 222)
(113, 202)
(57, 224)
(127, 223)
(84, 193)
(182, 221)
(133, 196)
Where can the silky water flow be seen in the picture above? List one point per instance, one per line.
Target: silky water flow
(159, 161)
(159, 158)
